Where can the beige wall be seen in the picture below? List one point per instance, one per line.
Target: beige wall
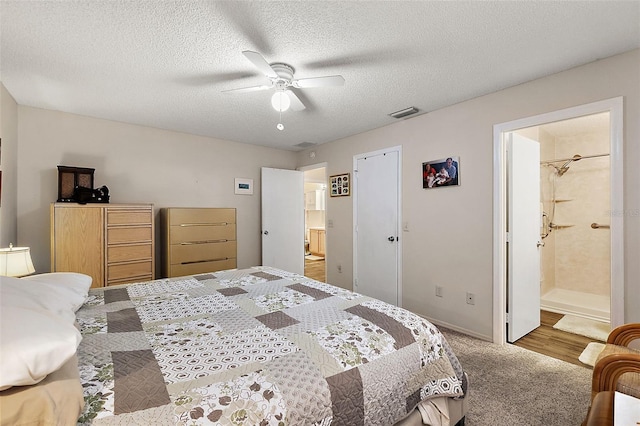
(466, 229)
(139, 165)
(9, 167)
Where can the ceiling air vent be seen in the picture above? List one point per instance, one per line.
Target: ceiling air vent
(404, 112)
(305, 144)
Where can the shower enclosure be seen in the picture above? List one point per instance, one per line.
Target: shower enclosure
(575, 200)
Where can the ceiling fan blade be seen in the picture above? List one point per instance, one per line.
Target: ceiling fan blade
(260, 63)
(296, 103)
(331, 80)
(248, 89)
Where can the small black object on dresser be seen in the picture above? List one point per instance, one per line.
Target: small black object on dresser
(75, 185)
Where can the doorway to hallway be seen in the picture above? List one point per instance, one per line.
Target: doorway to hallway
(315, 206)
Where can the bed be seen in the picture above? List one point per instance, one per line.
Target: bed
(259, 346)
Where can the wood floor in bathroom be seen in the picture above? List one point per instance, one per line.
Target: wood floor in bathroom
(557, 344)
(315, 269)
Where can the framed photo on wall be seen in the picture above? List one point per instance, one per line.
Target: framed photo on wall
(340, 185)
(442, 172)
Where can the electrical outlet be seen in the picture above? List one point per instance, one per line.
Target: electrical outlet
(439, 291)
(471, 298)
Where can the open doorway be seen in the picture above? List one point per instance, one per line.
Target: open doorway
(315, 196)
(503, 313)
(575, 179)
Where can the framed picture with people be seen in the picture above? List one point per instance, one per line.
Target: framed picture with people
(442, 172)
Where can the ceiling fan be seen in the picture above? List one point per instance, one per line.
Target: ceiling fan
(281, 79)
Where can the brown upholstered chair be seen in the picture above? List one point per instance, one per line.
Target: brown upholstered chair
(617, 368)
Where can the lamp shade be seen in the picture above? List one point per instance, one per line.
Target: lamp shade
(16, 262)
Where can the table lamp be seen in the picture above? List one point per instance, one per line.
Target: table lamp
(16, 261)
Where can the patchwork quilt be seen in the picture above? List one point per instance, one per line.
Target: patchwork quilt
(258, 346)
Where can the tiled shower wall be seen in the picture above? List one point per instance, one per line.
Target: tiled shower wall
(577, 257)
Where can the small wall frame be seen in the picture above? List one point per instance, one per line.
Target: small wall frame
(340, 185)
(243, 186)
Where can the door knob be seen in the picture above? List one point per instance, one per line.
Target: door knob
(266, 232)
(392, 239)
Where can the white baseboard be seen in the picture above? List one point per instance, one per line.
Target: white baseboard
(462, 330)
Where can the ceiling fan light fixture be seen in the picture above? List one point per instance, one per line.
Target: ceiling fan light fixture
(280, 101)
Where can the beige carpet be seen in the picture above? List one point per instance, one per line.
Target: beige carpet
(590, 353)
(585, 327)
(512, 386)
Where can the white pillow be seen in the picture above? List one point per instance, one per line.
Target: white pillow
(59, 293)
(33, 343)
(73, 285)
(15, 293)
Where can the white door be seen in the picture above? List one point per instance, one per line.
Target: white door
(376, 221)
(283, 219)
(523, 227)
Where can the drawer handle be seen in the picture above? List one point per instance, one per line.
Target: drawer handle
(205, 224)
(206, 260)
(189, 243)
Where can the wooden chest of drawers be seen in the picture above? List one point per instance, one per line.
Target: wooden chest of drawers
(198, 240)
(113, 243)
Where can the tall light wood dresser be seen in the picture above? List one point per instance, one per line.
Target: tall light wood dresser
(198, 240)
(113, 243)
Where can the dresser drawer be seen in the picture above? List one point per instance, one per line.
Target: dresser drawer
(136, 279)
(201, 267)
(123, 271)
(179, 216)
(202, 233)
(129, 234)
(128, 217)
(129, 252)
(198, 240)
(189, 253)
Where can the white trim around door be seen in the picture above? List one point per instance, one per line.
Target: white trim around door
(615, 108)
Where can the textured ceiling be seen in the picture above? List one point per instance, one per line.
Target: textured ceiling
(164, 64)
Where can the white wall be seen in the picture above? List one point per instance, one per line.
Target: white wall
(449, 242)
(9, 167)
(139, 165)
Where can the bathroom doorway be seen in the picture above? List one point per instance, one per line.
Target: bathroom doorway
(559, 168)
(315, 196)
(575, 169)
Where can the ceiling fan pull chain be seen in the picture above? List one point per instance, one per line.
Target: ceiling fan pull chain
(280, 126)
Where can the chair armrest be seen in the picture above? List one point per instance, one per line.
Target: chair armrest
(624, 334)
(609, 369)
